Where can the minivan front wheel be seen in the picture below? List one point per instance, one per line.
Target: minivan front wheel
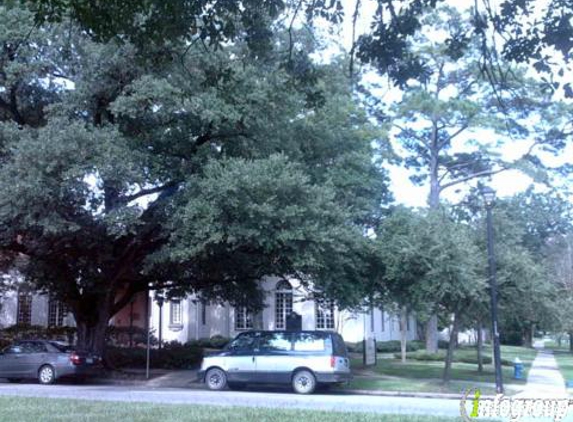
(303, 382)
(216, 379)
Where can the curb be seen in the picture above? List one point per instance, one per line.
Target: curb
(449, 396)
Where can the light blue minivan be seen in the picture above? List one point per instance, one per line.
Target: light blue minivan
(303, 359)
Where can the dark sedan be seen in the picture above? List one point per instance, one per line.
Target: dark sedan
(46, 361)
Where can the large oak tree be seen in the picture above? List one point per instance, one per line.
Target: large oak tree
(125, 167)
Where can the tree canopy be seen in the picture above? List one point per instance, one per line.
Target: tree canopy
(200, 175)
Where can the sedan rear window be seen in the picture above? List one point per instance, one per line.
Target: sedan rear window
(64, 348)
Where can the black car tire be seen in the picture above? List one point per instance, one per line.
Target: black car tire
(303, 382)
(216, 379)
(14, 380)
(46, 375)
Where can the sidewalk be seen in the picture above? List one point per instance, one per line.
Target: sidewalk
(544, 379)
(175, 379)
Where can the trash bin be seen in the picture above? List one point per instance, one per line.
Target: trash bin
(517, 369)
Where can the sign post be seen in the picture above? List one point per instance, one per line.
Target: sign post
(369, 351)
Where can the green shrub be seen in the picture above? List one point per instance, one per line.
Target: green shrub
(4, 343)
(441, 356)
(28, 332)
(422, 355)
(486, 360)
(357, 347)
(443, 344)
(202, 342)
(172, 356)
(120, 336)
(178, 356)
(393, 346)
(418, 344)
(218, 341)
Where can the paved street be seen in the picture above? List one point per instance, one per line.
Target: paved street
(261, 398)
(544, 381)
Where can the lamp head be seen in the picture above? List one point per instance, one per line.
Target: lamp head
(488, 195)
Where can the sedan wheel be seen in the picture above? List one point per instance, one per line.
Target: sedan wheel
(216, 379)
(303, 382)
(46, 375)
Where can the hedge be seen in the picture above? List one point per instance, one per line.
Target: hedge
(215, 342)
(29, 332)
(441, 356)
(171, 356)
(394, 346)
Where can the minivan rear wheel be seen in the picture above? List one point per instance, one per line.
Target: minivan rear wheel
(303, 382)
(216, 379)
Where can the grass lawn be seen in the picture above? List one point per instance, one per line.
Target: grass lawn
(425, 376)
(63, 410)
(408, 385)
(553, 345)
(565, 362)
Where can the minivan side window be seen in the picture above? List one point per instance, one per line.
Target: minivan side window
(243, 343)
(277, 341)
(312, 342)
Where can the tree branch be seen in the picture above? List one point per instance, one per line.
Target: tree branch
(353, 49)
(473, 176)
(419, 138)
(291, 44)
(144, 192)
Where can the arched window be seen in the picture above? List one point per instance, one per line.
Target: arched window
(283, 303)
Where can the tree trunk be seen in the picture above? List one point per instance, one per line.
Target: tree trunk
(432, 334)
(92, 323)
(527, 337)
(451, 347)
(480, 347)
(434, 202)
(403, 333)
(571, 341)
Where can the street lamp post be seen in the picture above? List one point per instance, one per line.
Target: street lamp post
(489, 198)
(159, 299)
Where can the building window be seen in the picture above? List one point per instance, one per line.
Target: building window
(243, 318)
(283, 303)
(407, 322)
(57, 311)
(24, 308)
(382, 322)
(324, 313)
(175, 313)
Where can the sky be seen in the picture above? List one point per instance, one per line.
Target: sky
(506, 183)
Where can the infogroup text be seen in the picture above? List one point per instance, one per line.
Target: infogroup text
(511, 408)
